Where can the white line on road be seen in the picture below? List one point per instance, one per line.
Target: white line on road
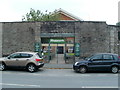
(24, 85)
(99, 86)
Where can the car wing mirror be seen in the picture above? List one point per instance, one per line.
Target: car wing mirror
(8, 57)
(90, 60)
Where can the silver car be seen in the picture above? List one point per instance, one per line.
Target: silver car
(31, 61)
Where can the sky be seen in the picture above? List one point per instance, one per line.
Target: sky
(88, 10)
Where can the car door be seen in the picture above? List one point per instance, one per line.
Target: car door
(95, 62)
(24, 59)
(108, 59)
(12, 60)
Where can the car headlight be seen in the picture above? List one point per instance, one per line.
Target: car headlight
(76, 63)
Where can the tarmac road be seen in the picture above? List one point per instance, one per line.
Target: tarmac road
(57, 78)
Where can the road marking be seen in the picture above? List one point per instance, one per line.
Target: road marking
(99, 86)
(24, 85)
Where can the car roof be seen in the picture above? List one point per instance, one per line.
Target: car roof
(27, 52)
(108, 53)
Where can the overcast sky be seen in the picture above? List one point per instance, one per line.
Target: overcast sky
(88, 10)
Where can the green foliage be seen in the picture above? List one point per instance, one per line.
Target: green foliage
(118, 24)
(40, 16)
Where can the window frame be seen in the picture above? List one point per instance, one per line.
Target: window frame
(11, 56)
(99, 59)
(29, 55)
(109, 58)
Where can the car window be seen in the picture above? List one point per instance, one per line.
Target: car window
(96, 57)
(38, 55)
(17, 55)
(24, 55)
(108, 57)
(116, 57)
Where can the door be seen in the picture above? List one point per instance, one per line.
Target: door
(95, 62)
(13, 59)
(107, 61)
(24, 58)
(60, 49)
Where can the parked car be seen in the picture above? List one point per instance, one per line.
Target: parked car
(99, 62)
(31, 61)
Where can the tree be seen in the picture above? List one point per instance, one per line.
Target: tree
(118, 24)
(40, 16)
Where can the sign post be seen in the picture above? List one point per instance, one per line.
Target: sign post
(77, 49)
(37, 48)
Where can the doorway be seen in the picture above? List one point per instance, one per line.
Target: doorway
(58, 51)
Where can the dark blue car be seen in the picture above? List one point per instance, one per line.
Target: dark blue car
(99, 62)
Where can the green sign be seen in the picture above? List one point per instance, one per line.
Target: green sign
(57, 41)
(77, 49)
(57, 34)
(37, 47)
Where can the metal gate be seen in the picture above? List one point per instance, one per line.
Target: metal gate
(58, 50)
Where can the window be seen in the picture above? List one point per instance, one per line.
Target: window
(24, 55)
(116, 57)
(107, 57)
(38, 55)
(96, 57)
(15, 55)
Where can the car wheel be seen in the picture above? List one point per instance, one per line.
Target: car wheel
(2, 67)
(114, 69)
(82, 69)
(31, 68)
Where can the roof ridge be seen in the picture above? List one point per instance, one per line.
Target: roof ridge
(69, 14)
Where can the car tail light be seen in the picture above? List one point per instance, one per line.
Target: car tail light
(38, 59)
(119, 57)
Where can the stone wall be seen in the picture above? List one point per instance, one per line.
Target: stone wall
(0, 39)
(57, 27)
(118, 45)
(113, 39)
(94, 37)
(18, 37)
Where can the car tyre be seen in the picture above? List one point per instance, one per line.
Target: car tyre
(2, 67)
(114, 69)
(31, 68)
(82, 69)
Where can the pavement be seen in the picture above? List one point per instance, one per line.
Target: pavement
(58, 62)
(57, 66)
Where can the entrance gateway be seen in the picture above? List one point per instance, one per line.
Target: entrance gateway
(58, 49)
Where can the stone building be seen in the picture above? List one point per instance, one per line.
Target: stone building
(68, 39)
